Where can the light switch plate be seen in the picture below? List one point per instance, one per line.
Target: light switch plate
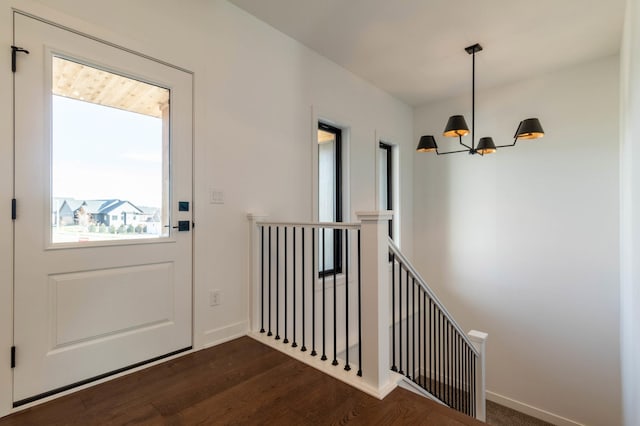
(216, 196)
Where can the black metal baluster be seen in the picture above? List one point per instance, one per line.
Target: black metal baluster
(432, 345)
(359, 310)
(440, 344)
(446, 361)
(413, 326)
(463, 397)
(442, 355)
(304, 301)
(294, 344)
(394, 367)
(449, 369)
(261, 279)
(286, 307)
(269, 333)
(347, 367)
(455, 369)
(473, 387)
(277, 283)
(408, 366)
(460, 375)
(445, 349)
(324, 339)
(424, 341)
(400, 312)
(466, 376)
(456, 396)
(460, 394)
(313, 292)
(470, 381)
(419, 337)
(335, 302)
(436, 330)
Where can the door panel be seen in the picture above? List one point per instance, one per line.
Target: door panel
(71, 297)
(102, 280)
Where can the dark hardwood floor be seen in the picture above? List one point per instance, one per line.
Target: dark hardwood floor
(240, 382)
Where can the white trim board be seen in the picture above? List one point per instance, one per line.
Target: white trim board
(224, 334)
(531, 410)
(411, 386)
(348, 377)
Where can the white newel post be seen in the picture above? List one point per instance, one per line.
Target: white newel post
(254, 270)
(374, 258)
(479, 339)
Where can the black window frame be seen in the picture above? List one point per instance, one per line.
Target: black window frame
(337, 233)
(389, 149)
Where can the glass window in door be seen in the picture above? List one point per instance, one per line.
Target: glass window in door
(110, 155)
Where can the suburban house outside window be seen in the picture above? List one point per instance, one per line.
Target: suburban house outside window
(329, 196)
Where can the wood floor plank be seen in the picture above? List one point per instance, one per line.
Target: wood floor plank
(241, 382)
(260, 398)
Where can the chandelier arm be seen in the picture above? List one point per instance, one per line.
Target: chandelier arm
(510, 145)
(465, 145)
(452, 152)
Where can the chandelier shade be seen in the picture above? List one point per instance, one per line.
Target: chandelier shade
(486, 146)
(457, 127)
(529, 129)
(427, 144)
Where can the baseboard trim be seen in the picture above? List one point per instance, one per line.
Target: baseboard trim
(348, 377)
(530, 410)
(224, 334)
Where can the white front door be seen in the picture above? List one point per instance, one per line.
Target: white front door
(103, 159)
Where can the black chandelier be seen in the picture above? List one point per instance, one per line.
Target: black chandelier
(529, 128)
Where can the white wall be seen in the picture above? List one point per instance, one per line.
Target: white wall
(629, 217)
(255, 93)
(523, 244)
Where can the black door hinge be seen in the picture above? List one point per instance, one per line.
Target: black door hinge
(13, 357)
(14, 54)
(14, 209)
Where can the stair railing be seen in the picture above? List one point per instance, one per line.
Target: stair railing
(309, 292)
(428, 346)
(323, 293)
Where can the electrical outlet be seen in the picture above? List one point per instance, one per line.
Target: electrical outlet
(214, 297)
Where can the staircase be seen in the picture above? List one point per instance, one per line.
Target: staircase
(343, 298)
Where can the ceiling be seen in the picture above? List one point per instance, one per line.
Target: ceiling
(414, 49)
(84, 83)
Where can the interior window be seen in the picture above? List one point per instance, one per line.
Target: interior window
(329, 197)
(385, 184)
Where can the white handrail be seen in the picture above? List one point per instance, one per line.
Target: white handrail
(332, 225)
(403, 260)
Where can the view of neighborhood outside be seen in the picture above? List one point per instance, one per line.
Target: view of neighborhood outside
(108, 176)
